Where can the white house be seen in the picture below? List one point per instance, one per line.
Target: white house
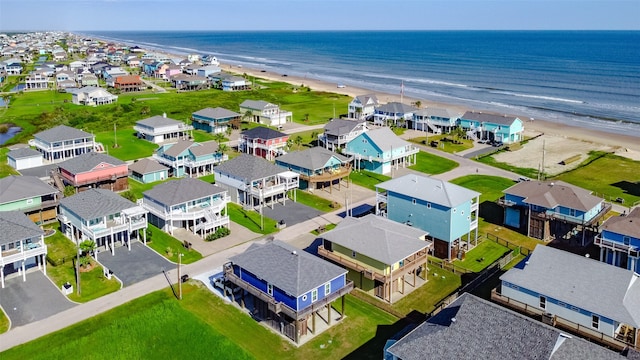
(90, 95)
(362, 107)
(21, 245)
(159, 129)
(265, 113)
(24, 158)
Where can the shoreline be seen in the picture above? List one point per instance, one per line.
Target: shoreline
(547, 127)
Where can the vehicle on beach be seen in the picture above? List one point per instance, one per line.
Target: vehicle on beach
(341, 86)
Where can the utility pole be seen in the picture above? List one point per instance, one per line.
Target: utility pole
(179, 279)
(115, 136)
(542, 170)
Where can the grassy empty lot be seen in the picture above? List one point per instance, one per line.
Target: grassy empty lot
(609, 176)
(490, 187)
(202, 326)
(161, 242)
(441, 283)
(432, 164)
(129, 146)
(483, 255)
(367, 179)
(314, 201)
(251, 219)
(444, 143)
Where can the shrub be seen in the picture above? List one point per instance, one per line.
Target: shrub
(220, 233)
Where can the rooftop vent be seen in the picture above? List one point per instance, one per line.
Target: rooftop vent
(453, 320)
(294, 252)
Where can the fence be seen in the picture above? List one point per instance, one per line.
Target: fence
(508, 244)
(449, 267)
(57, 262)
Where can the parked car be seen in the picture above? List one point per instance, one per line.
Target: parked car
(497, 143)
(434, 144)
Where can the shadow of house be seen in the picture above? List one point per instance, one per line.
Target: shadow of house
(628, 187)
(373, 348)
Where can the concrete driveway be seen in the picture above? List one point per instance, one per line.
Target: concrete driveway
(292, 213)
(32, 300)
(136, 265)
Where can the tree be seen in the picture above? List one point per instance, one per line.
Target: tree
(69, 190)
(314, 136)
(298, 141)
(418, 104)
(222, 148)
(228, 131)
(459, 133)
(87, 247)
(129, 195)
(145, 110)
(219, 138)
(247, 116)
(5, 99)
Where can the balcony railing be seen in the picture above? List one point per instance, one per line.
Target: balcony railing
(195, 212)
(408, 264)
(279, 307)
(328, 175)
(112, 177)
(616, 246)
(11, 256)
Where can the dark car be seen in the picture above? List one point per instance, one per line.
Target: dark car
(434, 144)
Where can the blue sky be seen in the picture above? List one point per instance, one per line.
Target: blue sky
(74, 15)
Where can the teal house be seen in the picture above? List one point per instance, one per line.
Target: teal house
(318, 167)
(493, 127)
(189, 158)
(215, 120)
(380, 150)
(148, 171)
(446, 211)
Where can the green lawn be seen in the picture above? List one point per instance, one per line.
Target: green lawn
(5, 169)
(314, 201)
(441, 283)
(155, 326)
(129, 146)
(367, 179)
(490, 187)
(432, 164)
(251, 219)
(93, 284)
(609, 176)
(327, 227)
(161, 242)
(202, 326)
(444, 143)
(4, 322)
(482, 256)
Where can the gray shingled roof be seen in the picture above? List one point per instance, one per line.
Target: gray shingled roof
(483, 330)
(429, 189)
(262, 132)
(397, 108)
(363, 99)
(204, 148)
(62, 133)
(312, 158)
(14, 188)
(181, 191)
(94, 203)
(385, 139)
(489, 118)
(17, 226)
(378, 238)
(177, 148)
(157, 121)
(248, 168)
(438, 112)
(256, 104)
(88, 161)
(216, 113)
(147, 166)
(626, 225)
(339, 127)
(589, 284)
(286, 267)
(23, 153)
(550, 194)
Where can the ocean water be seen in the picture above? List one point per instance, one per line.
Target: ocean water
(585, 78)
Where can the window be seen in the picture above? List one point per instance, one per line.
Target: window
(543, 302)
(428, 205)
(304, 297)
(595, 321)
(270, 289)
(29, 201)
(462, 212)
(327, 288)
(314, 295)
(353, 254)
(413, 201)
(455, 210)
(572, 212)
(626, 240)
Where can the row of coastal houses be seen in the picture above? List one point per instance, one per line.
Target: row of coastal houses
(477, 125)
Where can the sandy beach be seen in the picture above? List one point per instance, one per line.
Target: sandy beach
(629, 145)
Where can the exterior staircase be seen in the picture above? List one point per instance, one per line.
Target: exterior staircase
(434, 129)
(57, 181)
(472, 135)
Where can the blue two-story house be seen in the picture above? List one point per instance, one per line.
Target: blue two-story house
(189, 158)
(289, 287)
(493, 127)
(446, 211)
(596, 300)
(549, 210)
(380, 150)
(619, 241)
